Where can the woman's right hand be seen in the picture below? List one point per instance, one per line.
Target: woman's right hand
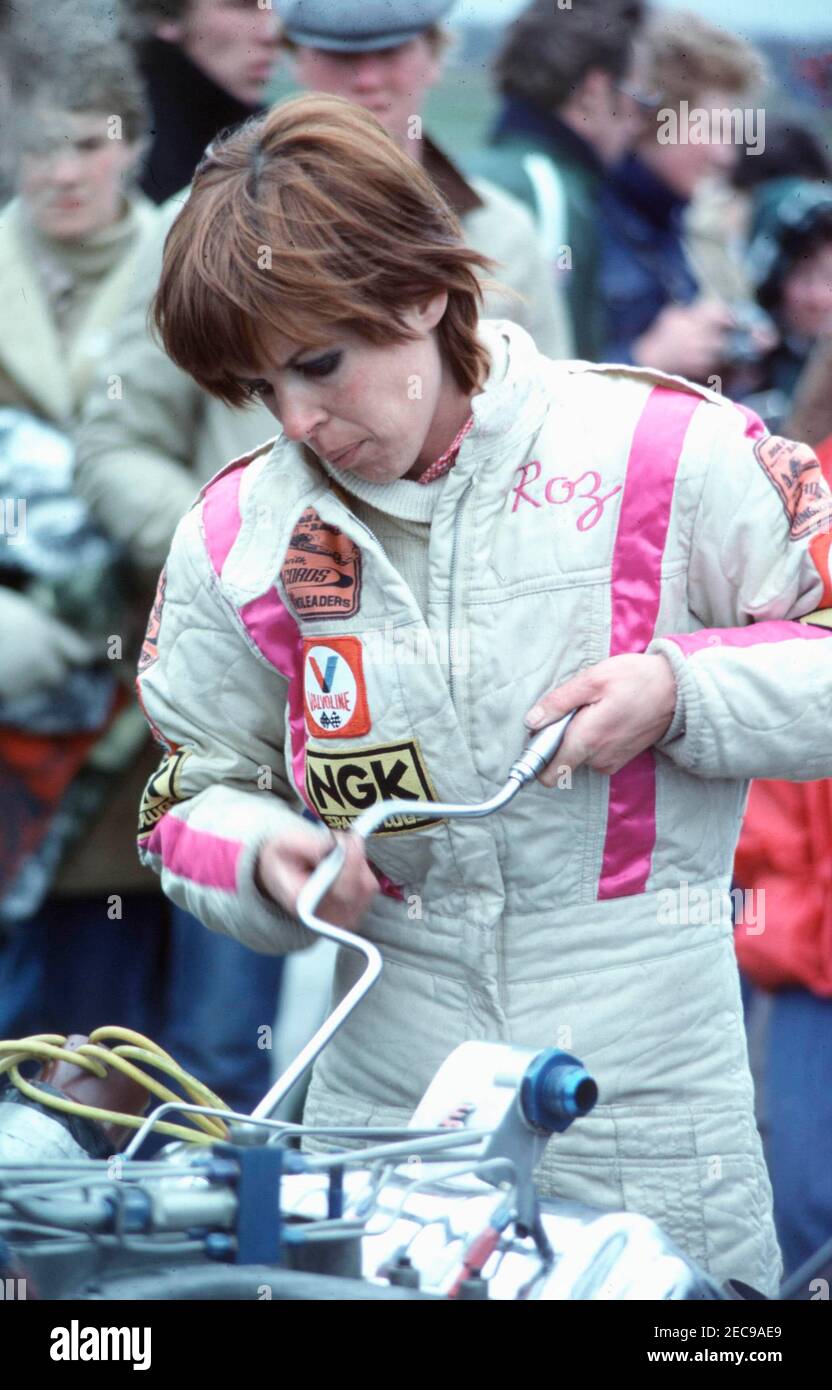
(285, 863)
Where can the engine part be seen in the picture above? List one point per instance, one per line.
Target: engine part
(444, 1208)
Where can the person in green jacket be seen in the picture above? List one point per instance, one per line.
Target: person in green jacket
(572, 80)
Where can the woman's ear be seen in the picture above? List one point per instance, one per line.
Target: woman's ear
(426, 313)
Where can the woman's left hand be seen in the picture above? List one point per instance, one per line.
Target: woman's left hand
(627, 705)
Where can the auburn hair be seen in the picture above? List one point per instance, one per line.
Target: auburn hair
(305, 220)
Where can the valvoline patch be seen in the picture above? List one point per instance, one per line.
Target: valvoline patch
(334, 689)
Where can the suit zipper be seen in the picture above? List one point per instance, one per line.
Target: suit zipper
(452, 583)
(452, 575)
(499, 977)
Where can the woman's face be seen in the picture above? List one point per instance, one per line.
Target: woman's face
(72, 172)
(806, 300)
(369, 410)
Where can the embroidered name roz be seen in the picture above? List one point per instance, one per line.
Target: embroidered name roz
(558, 490)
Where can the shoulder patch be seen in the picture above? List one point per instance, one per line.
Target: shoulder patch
(322, 570)
(795, 472)
(822, 617)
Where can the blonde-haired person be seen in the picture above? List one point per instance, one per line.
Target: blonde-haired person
(69, 240)
(661, 311)
(69, 237)
(554, 534)
(75, 245)
(69, 742)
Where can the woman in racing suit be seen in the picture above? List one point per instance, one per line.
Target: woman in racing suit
(451, 541)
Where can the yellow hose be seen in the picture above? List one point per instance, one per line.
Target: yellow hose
(129, 1048)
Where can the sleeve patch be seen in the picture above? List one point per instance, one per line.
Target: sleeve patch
(162, 792)
(794, 470)
(150, 650)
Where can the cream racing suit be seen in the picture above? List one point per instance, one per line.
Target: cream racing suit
(592, 511)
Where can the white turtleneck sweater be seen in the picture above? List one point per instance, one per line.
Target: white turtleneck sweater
(399, 515)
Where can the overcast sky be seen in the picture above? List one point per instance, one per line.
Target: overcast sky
(796, 19)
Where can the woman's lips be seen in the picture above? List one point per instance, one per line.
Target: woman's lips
(347, 456)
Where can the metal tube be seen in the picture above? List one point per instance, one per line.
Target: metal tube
(308, 898)
(421, 1148)
(525, 769)
(189, 1108)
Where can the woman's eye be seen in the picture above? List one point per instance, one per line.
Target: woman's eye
(257, 390)
(320, 366)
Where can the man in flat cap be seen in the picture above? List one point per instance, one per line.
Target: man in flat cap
(385, 55)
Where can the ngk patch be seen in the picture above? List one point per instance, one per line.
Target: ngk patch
(322, 570)
(334, 691)
(342, 785)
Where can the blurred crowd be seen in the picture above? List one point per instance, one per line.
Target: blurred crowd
(648, 196)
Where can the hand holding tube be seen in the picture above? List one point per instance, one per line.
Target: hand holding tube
(627, 705)
(285, 863)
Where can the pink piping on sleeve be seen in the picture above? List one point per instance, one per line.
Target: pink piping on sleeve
(267, 620)
(755, 635)
(275, 633)
(636, 592)
(196, 855)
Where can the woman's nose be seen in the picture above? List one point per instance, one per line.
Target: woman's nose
(300, 417)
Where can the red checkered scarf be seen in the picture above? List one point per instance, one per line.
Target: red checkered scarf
(447, 460)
